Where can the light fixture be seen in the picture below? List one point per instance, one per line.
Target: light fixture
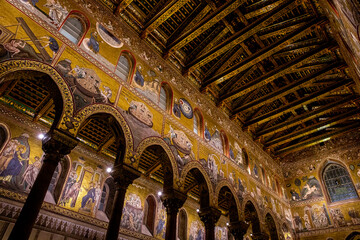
(109, 169)
(197, 210)
(159, 194)
(41, 136)
(227, 224)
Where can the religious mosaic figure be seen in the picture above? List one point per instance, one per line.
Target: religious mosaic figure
(338, 217)
(90, 200)
(196, 231)
(30, 174)
(71, 190)
(180, 145)
(132, 213)
(311, 189)
(85, 84)
(14, 161)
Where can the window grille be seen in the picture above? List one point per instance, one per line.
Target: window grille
(338, 183)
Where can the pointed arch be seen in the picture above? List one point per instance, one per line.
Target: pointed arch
(75, 26)
(225, 143)
(225, 187)
(125, 66)
(271, 224)
(166, 97)
(334, 176)
(198, 127)
(182, 225)
(59, 178)
(251, 214)
(5, 136)
(121, 126)
(150, 213)
(202, 181)
(64, 98)
(170, 161)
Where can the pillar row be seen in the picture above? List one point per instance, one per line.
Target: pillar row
(55, 145)
(123, 177)
(172, 201)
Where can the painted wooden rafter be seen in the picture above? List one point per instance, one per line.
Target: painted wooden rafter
(300, 102)
(262, 54)
(242, 35)
(313, 128)
(276, 73)
(306, 117)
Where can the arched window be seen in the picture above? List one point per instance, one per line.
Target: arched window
(4, 136)
(104, 197)
(225, 143)
(150, 211)
(58, 179)
(182, 225)
(165, 98)
(124, 66)
(338, 183)
(74, 27)
(198, 123)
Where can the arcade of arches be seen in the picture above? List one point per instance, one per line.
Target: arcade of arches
(188, 119)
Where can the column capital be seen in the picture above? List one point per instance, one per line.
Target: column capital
(238, 229)
(209, 216)
(57, 144)
(124, 175)
(173, 200)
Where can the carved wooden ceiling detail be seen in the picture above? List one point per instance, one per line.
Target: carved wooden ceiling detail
(271, 65)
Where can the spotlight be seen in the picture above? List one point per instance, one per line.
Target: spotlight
(41, 136)
(109, 169)
(197, 210)
(159, 194)
(227, 224)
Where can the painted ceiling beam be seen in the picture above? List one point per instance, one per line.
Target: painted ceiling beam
(237, 79)
(276, 73)
(262, 54)
(156, 166)
(287, 23)
(191, 187)
(110, 139)
(298, 103)
(306, 117)
(204, 25)
(162, 16)
(318, 139)
(121, 6)
(311, 129)
(187, 21)
(232, 53)
(242, 35)
(44, 110)
(286, 89)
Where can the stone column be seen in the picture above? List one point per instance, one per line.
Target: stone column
(56, 145)
(238, 229)
(209, 216)
(123, 177)
(172, 201)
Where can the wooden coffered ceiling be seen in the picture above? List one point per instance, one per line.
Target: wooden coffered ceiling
(271, 65)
